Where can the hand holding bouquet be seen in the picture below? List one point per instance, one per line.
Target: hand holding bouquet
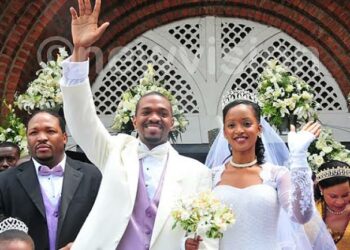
(203, 214)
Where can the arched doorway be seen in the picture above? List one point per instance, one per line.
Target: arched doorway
(201, 58)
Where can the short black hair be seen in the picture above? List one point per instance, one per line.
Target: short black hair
(14, 235)
(153, 93)
(10, 144)
(62, 122)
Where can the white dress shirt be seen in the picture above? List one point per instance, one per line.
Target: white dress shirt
(51, 184)
(153, 167)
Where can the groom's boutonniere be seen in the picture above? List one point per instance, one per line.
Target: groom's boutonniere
(203, 215)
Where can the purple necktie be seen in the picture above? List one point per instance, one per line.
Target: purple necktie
(46, 171)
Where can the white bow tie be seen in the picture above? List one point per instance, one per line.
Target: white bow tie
(158, 152)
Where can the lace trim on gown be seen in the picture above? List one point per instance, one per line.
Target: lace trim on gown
(301, 192)
(279, 188)
(294, 188)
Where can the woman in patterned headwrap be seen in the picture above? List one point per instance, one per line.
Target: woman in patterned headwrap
(332, 194)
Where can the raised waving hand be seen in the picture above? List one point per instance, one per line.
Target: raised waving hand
(299, 142)
(85, 29)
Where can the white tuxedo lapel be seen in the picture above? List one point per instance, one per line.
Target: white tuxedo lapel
(171, 189)
(131, 163)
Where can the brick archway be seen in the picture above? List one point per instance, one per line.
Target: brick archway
(22, 24)
(323, 25)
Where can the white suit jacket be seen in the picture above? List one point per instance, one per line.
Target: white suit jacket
(116, 156)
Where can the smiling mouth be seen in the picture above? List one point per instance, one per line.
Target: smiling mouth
(240, 139)
(153, 129)
(153, 126)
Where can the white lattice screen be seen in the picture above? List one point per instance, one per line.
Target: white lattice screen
(128, 69)
(299, 64)
(201, 58)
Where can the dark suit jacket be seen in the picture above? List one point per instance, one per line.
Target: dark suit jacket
(20, 197)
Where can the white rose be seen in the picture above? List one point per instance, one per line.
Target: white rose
(203, 227)
(318, 160)
(277, 93)
(306, 95)
(327, 149)
(185, 215)
(289, 88)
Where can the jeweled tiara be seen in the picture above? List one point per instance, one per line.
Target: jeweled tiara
(241, 94)
(13, 224)
(332, 172)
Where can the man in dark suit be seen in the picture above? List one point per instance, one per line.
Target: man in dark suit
(52, 193)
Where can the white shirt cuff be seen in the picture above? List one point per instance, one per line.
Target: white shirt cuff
(74, 73)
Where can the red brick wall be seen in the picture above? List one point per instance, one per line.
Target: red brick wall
(25, 25)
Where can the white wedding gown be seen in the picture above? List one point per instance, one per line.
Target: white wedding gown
(257, 207)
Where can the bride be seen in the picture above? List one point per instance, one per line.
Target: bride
(267, 199)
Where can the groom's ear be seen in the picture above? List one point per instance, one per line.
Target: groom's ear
(134, 121)
(172, 123)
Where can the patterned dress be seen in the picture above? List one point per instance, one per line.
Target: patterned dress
(342, 239)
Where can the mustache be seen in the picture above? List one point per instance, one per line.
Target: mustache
(42, 145)
(158, 123)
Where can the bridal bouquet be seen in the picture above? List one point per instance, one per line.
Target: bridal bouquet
(127, 106)
(282, 95)
(44, 92)
(203, 214)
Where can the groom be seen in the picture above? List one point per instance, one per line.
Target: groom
(142, 178)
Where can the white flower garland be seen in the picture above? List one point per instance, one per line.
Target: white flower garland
(326, 148)
(13, 130)
(127, 106)
(280, 94)
(44, 92)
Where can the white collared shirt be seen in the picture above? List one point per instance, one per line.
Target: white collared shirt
(153, 169)
(51, 184)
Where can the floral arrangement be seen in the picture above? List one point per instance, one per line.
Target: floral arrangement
(13, 130)
(44, 92)
(326, 148)
(127, 106)
(281, 95)
(203, 215)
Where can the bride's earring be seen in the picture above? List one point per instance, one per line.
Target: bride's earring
(321, 193)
